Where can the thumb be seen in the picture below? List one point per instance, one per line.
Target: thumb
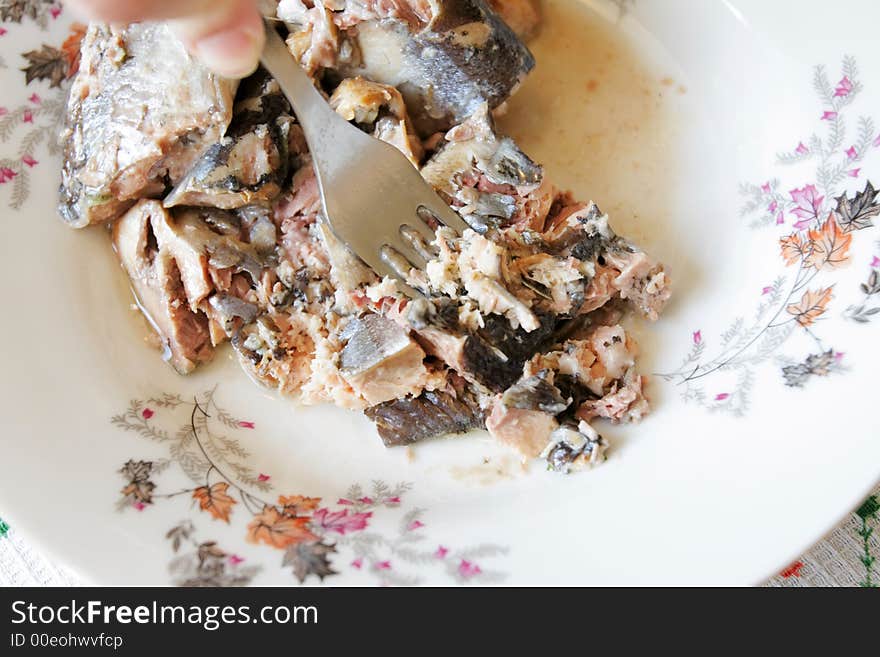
(227, 35)
(228, 38)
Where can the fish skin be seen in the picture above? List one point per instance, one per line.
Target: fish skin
(258, 137)
(431, 414)
(122, 140)
(464, 57)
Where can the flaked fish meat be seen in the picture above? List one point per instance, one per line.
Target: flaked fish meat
(217, 219)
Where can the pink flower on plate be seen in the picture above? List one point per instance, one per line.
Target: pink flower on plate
(357, 563)
(28, 160)
(246, 425)
(853, 173)
(263, 477)
(765, 188)
(844, 88)
(772, 207)
(722, 396)
(875, 262)
(344, 502)
(808, 202)
(3, 111)
(877, 142)
(467, 569)
(767, 290)
(34, 98)
(852, 153)
(698, 337)
(828, 116)
(838, 356)
(441, 552)
(28, 116)
(801, 149)
(234, 559)
(140, 506)
(780, 218)
(340, 521)
(147, 413)
(383, 565)
(2, 31)
(6, 174)
(55, 11)
(392, 500)
(415, 524)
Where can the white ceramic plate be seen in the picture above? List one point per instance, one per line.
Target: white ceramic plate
(708, 130)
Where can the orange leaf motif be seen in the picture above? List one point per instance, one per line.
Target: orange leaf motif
(829, 246)
(215, 500)
(70, 47)
(297, 505)
(794, 249)
(279, 531)
(811, 306)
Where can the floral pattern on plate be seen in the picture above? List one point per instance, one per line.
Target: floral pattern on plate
(823, 218)
(36, 121)
(316, 538)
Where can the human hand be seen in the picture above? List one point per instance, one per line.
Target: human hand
(227, 35)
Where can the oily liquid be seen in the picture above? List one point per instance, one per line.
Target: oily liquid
(598, 118)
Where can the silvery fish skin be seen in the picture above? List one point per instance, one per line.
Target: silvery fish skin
(371, 340)
(464, 57)
(123, 140)
(250, 163)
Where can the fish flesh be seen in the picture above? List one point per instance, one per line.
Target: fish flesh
(220, 228)
(249, 164)
(124, 141)
(446, 58)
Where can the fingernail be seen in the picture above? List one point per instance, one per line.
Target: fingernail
(233, 53)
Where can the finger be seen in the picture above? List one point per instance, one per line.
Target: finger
(127, 11)
(227, 35)
(228, 39)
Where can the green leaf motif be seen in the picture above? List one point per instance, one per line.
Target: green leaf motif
(869, 508)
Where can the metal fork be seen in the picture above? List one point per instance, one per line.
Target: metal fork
(374, 198)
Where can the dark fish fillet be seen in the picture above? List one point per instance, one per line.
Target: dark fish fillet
(466, 56)
(140, 111)
(406, 421)
(247, 166)
(495, 356)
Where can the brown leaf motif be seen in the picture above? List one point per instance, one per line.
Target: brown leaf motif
(309, 559)
(215, 500)
(47, 63)
(859, 212)
(821, 364)
(179, 533)
(812, 305)
(277, 530)
(209, 550)
(140, 488)
(15, 10)
(829, 246)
